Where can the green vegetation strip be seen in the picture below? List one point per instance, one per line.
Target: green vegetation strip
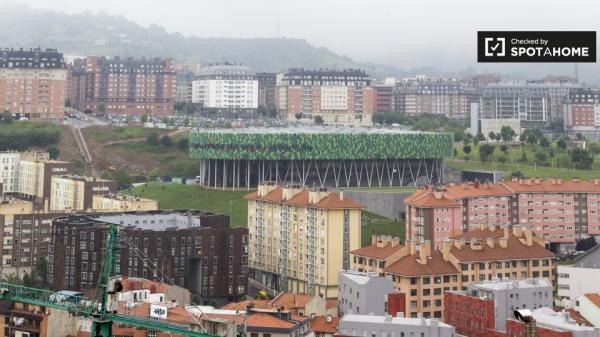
(319, 146)
(23, 135)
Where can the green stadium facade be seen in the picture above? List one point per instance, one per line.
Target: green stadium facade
(323, 157)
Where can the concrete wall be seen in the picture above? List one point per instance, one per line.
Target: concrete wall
(388, 204)
(362, 294)
(367, 326)
(575, 281)
(589, 310)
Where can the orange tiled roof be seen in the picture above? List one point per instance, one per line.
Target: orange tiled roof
(320, 324)
(260, 320)
(409, 266)
(176, 314)
(243, 305)
(375, 252)
(578, 318)
(331, 201)
(461, 191)
(553, 185)
(139, 284)
(428, 199)
(594, 298)
(331, 303)
(291, 300)
(516, 250)
(481, 234)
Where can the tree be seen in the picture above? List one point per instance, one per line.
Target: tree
(467, 139)
(532, 138)
(152, 138)
(467, 150)
(492, 135)
(183, 143)
(595, 148)
(523, 157)
(39, 274)
(12, 278)
(318, 120)
(298, 115)
(6, 117)
(144, 118)
(582, 159)
(544, 142)
(53, 152)
(478, 138)
(517, 174)
(585, 244)
(485, 151)
(502, 159)
(507, 133)
(541, 156)
(153, 174)
(562, 144)
(504, 148)
(166, 141)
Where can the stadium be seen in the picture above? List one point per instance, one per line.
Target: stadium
(320, 157)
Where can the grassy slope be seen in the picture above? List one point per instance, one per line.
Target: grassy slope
(183, 196)
(379, 225)
(529, 168)
(105, 134)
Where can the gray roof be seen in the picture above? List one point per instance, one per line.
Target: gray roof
(226, 69)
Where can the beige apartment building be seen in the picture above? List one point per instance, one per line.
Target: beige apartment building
(422, 275)
(72, 193)
(122, 203)
(301, 238)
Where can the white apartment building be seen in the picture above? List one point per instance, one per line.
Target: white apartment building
(9, 171)
(226, 87)
(371, 325)
(579, 279)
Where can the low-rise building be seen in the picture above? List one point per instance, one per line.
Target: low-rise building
(324, 326)
(363, 293)
(122, 203)
(76, 193)
(140, 290)
(423, 275)
(588, 306)
(300, 304)
(486, 306)
(374, 258)
(550, 323)
(579, 278)
(366, 325)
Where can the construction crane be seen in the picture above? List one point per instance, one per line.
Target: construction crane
(103, 312)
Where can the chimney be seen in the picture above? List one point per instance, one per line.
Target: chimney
(475, 244)
(459, 243)
(506, 232)
(528, 236)
(490, 242)
(412, 247)
(395, 241)
(516, 230)
(373, 239)
(424, 251)
(446, 246)
(503, 242)
(492, 228)
(341, 195)
(559, 181)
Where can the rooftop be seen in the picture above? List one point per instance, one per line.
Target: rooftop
(289, 301)
(547, 318)
(328, 129)
(514, 284)
(594, 298)
(410, 266)
(325, 324)
(302, 198)
(359, 277)
(389, 320)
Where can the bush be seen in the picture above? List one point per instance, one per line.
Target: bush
(502, 159)
(152, 139)
(183, 143)
(166, 141)
(485, 151)
(53, 152)
(504, 148)
(23, 135)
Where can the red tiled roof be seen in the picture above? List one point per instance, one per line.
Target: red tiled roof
(576, 316)
(409, 266)
(516, 250)
(553, 185)
(481, 234)
(428, 199)
(260, 320)
(139, 284)
(466, 190)
(594, 298)
(243, 305)
(331, 303)
(320, 324)
(291, 300)
(332, 201)
(375, 252)
(176, 314)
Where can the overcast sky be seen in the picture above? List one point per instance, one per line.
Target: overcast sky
(398, 32)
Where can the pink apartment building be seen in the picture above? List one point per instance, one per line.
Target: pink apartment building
(559, 211)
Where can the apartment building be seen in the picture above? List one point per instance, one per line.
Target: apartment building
(558, 211)
(582, 110)
(423, 274)
(528, 101)
(363, 293)
(383, 250)
(267, 86)
(367, 325)
(29, 174)
(301, 238)
(122, 203)
(436, 96)
(579, 278)
(33, 83)
(193, 249)
(76, 193)
(383, 96)
(226, 89)
(124, 86)
(343, 97)
(485, 307)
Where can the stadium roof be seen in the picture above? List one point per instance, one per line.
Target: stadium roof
(312, 130)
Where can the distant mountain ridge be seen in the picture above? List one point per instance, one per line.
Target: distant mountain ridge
(101, 34)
